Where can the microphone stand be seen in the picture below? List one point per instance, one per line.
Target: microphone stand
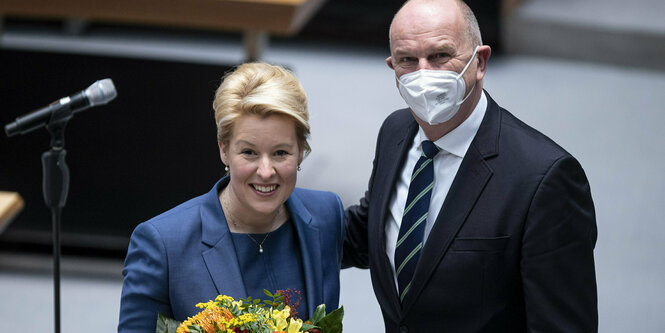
(56, 187)
(54, 168)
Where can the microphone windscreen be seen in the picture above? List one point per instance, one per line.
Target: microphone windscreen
(101, 92)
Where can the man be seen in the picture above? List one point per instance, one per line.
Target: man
(472, 221)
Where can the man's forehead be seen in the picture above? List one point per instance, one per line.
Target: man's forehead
(426, 23)
(428, 47)
(432, 40)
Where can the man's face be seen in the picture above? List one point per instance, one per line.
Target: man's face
(430, 36)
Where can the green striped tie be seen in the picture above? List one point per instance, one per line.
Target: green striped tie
(411, 232)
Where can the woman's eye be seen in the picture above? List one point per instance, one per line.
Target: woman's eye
(407, 59)
(281, 153)
(247, 152)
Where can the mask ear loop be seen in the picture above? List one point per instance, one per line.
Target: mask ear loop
(464, 71)
(469, 63)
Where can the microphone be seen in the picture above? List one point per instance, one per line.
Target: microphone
(99, 93)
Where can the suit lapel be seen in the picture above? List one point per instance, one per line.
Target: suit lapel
(218, 251)
(310, 249)
(392, 156)
(468, 185)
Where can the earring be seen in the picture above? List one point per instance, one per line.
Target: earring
(299, 168)
(226, 168)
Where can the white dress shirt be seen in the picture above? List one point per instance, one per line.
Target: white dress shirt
(446, 163)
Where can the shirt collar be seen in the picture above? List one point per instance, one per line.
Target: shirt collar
(458, 140)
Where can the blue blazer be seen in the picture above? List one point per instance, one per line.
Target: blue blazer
(186, 256)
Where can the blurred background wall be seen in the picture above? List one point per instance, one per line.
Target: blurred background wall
(588, 73)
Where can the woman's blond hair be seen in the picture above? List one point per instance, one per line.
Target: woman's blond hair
(261, 89)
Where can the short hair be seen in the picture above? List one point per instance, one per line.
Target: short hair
(472, 30)
(261, 89)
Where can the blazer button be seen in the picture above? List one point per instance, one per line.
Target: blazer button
(403, 329)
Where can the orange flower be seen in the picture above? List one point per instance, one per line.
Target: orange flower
(207, 319)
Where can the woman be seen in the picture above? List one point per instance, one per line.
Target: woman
(254, 230)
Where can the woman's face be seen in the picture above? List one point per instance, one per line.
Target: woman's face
(263, 156)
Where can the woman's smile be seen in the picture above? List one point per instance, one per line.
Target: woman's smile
(264, 189)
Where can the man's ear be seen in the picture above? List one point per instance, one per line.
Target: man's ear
(389, 62)
(483, 54)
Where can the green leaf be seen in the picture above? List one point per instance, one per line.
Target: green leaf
(269, 294)
(195, 329)
(306, 327)
(332, 323)
(319, 313)
(166, 324)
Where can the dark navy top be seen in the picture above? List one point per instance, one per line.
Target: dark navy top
(279, 266)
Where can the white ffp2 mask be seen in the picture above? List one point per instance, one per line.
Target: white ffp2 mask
(434, 95)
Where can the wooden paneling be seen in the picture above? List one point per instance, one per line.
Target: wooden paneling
(10, 204)
(281, 17)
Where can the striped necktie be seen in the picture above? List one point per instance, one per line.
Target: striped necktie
(411, 232)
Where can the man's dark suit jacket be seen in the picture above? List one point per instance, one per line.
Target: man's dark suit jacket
(511, 249)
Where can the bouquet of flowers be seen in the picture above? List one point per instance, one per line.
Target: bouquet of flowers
(275, 315)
